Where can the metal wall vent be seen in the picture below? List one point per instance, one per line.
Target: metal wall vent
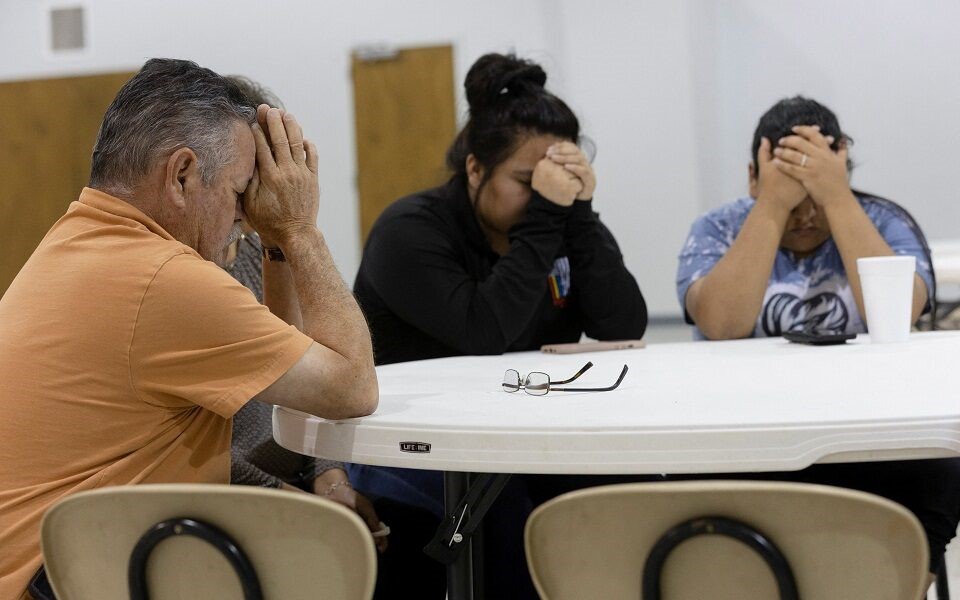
(66, 29)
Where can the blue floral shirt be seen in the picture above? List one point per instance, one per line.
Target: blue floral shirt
(807, 293)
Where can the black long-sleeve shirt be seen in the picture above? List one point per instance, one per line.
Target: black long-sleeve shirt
(431, 286)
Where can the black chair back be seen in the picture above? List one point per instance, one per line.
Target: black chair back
(756, 541)
(915, 228)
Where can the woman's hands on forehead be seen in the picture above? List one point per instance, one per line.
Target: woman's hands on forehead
(774, 186)
(807, 156)
(573, 159)
(555, 183)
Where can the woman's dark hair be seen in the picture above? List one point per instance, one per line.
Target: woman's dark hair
(776, 123)
(507, 101)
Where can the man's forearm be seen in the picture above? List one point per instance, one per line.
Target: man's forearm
(280, 293)
(334, 378)
(329, 312)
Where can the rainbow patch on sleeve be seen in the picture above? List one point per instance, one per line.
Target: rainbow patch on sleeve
(559, 281)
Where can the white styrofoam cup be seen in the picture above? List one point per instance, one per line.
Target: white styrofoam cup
(887, 284)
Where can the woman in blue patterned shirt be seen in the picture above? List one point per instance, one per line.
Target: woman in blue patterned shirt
(784, 259)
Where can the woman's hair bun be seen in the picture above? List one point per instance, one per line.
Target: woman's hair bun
(496, 76)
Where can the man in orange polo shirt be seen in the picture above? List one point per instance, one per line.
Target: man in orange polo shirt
(125, 349)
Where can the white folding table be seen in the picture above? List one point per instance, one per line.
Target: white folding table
(704, 407)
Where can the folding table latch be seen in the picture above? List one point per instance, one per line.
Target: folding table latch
(459, 526)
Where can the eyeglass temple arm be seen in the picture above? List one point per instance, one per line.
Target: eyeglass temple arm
(582, 370)
(623, 374)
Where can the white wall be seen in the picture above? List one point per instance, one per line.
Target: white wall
(887, 68)
(298, 48)
(670, 91)
(625, 72)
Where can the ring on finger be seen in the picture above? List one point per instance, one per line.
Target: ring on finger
(803, 161)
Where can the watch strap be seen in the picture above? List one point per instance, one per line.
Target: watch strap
(273, 254)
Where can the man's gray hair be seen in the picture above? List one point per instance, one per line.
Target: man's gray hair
(256, 93)
(169, 104)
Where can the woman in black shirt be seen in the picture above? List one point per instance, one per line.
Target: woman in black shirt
(508, 255)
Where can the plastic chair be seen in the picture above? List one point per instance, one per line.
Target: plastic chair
(205, 541)
(934, 314)
(636, 540)
(946, 257)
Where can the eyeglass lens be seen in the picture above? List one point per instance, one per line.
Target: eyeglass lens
(537, 384)
(511, 381)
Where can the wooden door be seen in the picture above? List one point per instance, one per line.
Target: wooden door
(46, 139)
(405, 120)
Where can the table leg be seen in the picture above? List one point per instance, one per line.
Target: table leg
(460, 572)
(476, 546)
(466, 501)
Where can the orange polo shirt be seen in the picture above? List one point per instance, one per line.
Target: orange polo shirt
(123, 357)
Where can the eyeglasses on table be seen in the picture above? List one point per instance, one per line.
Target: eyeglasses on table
(538, 383)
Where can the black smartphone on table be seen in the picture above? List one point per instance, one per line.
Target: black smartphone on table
(816, 338)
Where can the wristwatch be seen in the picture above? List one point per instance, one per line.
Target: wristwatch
(273, 254)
